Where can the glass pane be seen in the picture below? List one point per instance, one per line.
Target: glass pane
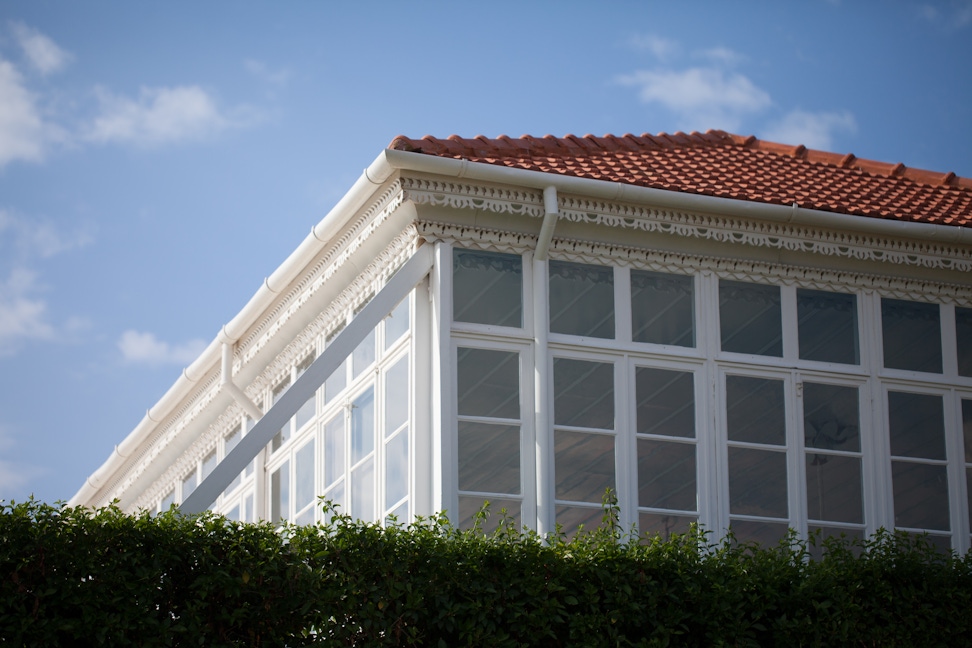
(766, 534)
(583, 393)
(757, 482)
(968, 490)
(304, 477)
(917, 425)
(306, 413)
(283, 435)
(280, 493)
(487, 288)
(396, 468)
(396, 396)
(819, 534)
(208, 463)
(334, 450)
(666, 475)
(306, 516)
(188, 485)
(336, 382)
(827, 326)
(662, 308)
(755, 410)
(652, 524)
(574, 519)
(167, 501)
(470, 506)
(488, 383)
(248, 513)
(399, 516)
(363, 355)
(834, 488)
(363, 425)
(363, 491)
(750, 318)
(912, 335)
(396, 324)
(830, 417)
(920, 495)
(234, 513)
(581, 299)
(666, 402)
(583, 466)
(336, 497)
(229, 442)
(967, 428)
(489, 458)
(963, 333)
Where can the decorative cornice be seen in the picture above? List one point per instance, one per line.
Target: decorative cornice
(780, 236)
(684, 263)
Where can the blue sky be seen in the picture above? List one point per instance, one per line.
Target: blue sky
(158, 160)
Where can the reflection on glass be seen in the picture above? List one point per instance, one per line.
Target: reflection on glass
(664, 525)
(963, 334)
(363, 491)
(396, 324)
(583, 466)
(920, 495)
(765, 534)
(488, 383)
(581, 299)
(280, 493)
(578, 519)
(830, 417)
(396, 468)
(827, 326)
(487, 288)
(666, 475)
(912, 335)
(662, 308)
(363, 355)
(967, 428)
(304, 476)
(755, 410)
(489, 458)
(336, 383)
(750, 318)
(363, 425)
(757, 482)
(498, 509)
(334, 450)
(917, 425)
(665, 401)
(834, 488)
(396, 396)
(583, 393)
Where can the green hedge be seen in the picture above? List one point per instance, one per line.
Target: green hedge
(70, 576)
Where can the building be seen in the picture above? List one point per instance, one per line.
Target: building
(715, 327)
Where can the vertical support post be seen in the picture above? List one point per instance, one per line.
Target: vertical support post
(445, 496)
(542, 402)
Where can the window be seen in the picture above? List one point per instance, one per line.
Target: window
(827, 326)
(967, 439)
(667, 480)
(581, 299)
(487, 288)
(919, 473)
(750, 318)
(583, 440)
(662, 308)
(489, 427)
(963, 334)
(395, 436)
(912, 335)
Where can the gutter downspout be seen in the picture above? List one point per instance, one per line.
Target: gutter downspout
(226, 382)
(543, 431)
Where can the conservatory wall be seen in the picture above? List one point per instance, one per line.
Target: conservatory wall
(754, 399)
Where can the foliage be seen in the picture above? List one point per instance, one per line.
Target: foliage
(72, 576)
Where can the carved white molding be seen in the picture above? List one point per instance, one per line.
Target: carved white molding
(781, 236)
(684, 263)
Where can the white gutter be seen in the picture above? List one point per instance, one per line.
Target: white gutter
(550, 213)
(387, 163)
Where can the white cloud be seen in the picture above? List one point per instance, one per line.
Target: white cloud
(813, 130)
(42, 53)
(703, 98)
(661, 48)
(23, 314)
(721, 55)
(145, 348)
(263, 72)
(955, 15)
(160, 116)
(22, 131)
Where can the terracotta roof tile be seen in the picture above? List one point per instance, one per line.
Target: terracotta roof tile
(717, 163)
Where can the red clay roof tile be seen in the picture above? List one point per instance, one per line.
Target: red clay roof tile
(717, 163)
